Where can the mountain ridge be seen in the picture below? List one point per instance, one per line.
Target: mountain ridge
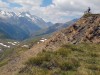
(23, 23)
(56, 27)
(27, 25)
(86, 29)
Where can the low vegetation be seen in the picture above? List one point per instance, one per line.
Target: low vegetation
(89, 15)
(11, 53)
(81, 59)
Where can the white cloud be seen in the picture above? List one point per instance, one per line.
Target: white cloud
(3, 4)
(63, 10)
(27, 3)
(59, 10)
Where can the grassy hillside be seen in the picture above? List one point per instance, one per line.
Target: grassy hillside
(81, 59)
(9, 53)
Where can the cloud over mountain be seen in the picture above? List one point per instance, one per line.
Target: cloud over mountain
(56, 11)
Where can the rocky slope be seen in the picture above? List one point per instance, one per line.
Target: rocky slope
(86, 29)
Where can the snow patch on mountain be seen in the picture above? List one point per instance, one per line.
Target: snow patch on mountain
(34, 19)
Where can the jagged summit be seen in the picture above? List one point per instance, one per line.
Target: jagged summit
(21, 25)
(86, 29)
(14, 16)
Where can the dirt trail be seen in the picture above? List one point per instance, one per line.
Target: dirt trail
(17, 63)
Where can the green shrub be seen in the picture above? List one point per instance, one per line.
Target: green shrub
(69, 64)
(46, 56)
(2, 63)
(80, 59)
(63, 52)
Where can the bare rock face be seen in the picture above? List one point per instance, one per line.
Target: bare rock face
(86, 29)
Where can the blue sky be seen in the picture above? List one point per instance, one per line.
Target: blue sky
(52, 10)
(12, 5)
(46, 3)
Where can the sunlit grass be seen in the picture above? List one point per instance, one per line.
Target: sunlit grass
(81, 59)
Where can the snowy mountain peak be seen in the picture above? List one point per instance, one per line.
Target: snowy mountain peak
(12, 16)
(22, 14)
(6, 14)
(29, 15)
(2, 12)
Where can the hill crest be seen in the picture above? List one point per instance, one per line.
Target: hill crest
(86, 29)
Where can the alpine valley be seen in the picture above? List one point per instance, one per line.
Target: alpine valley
(20, 26)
